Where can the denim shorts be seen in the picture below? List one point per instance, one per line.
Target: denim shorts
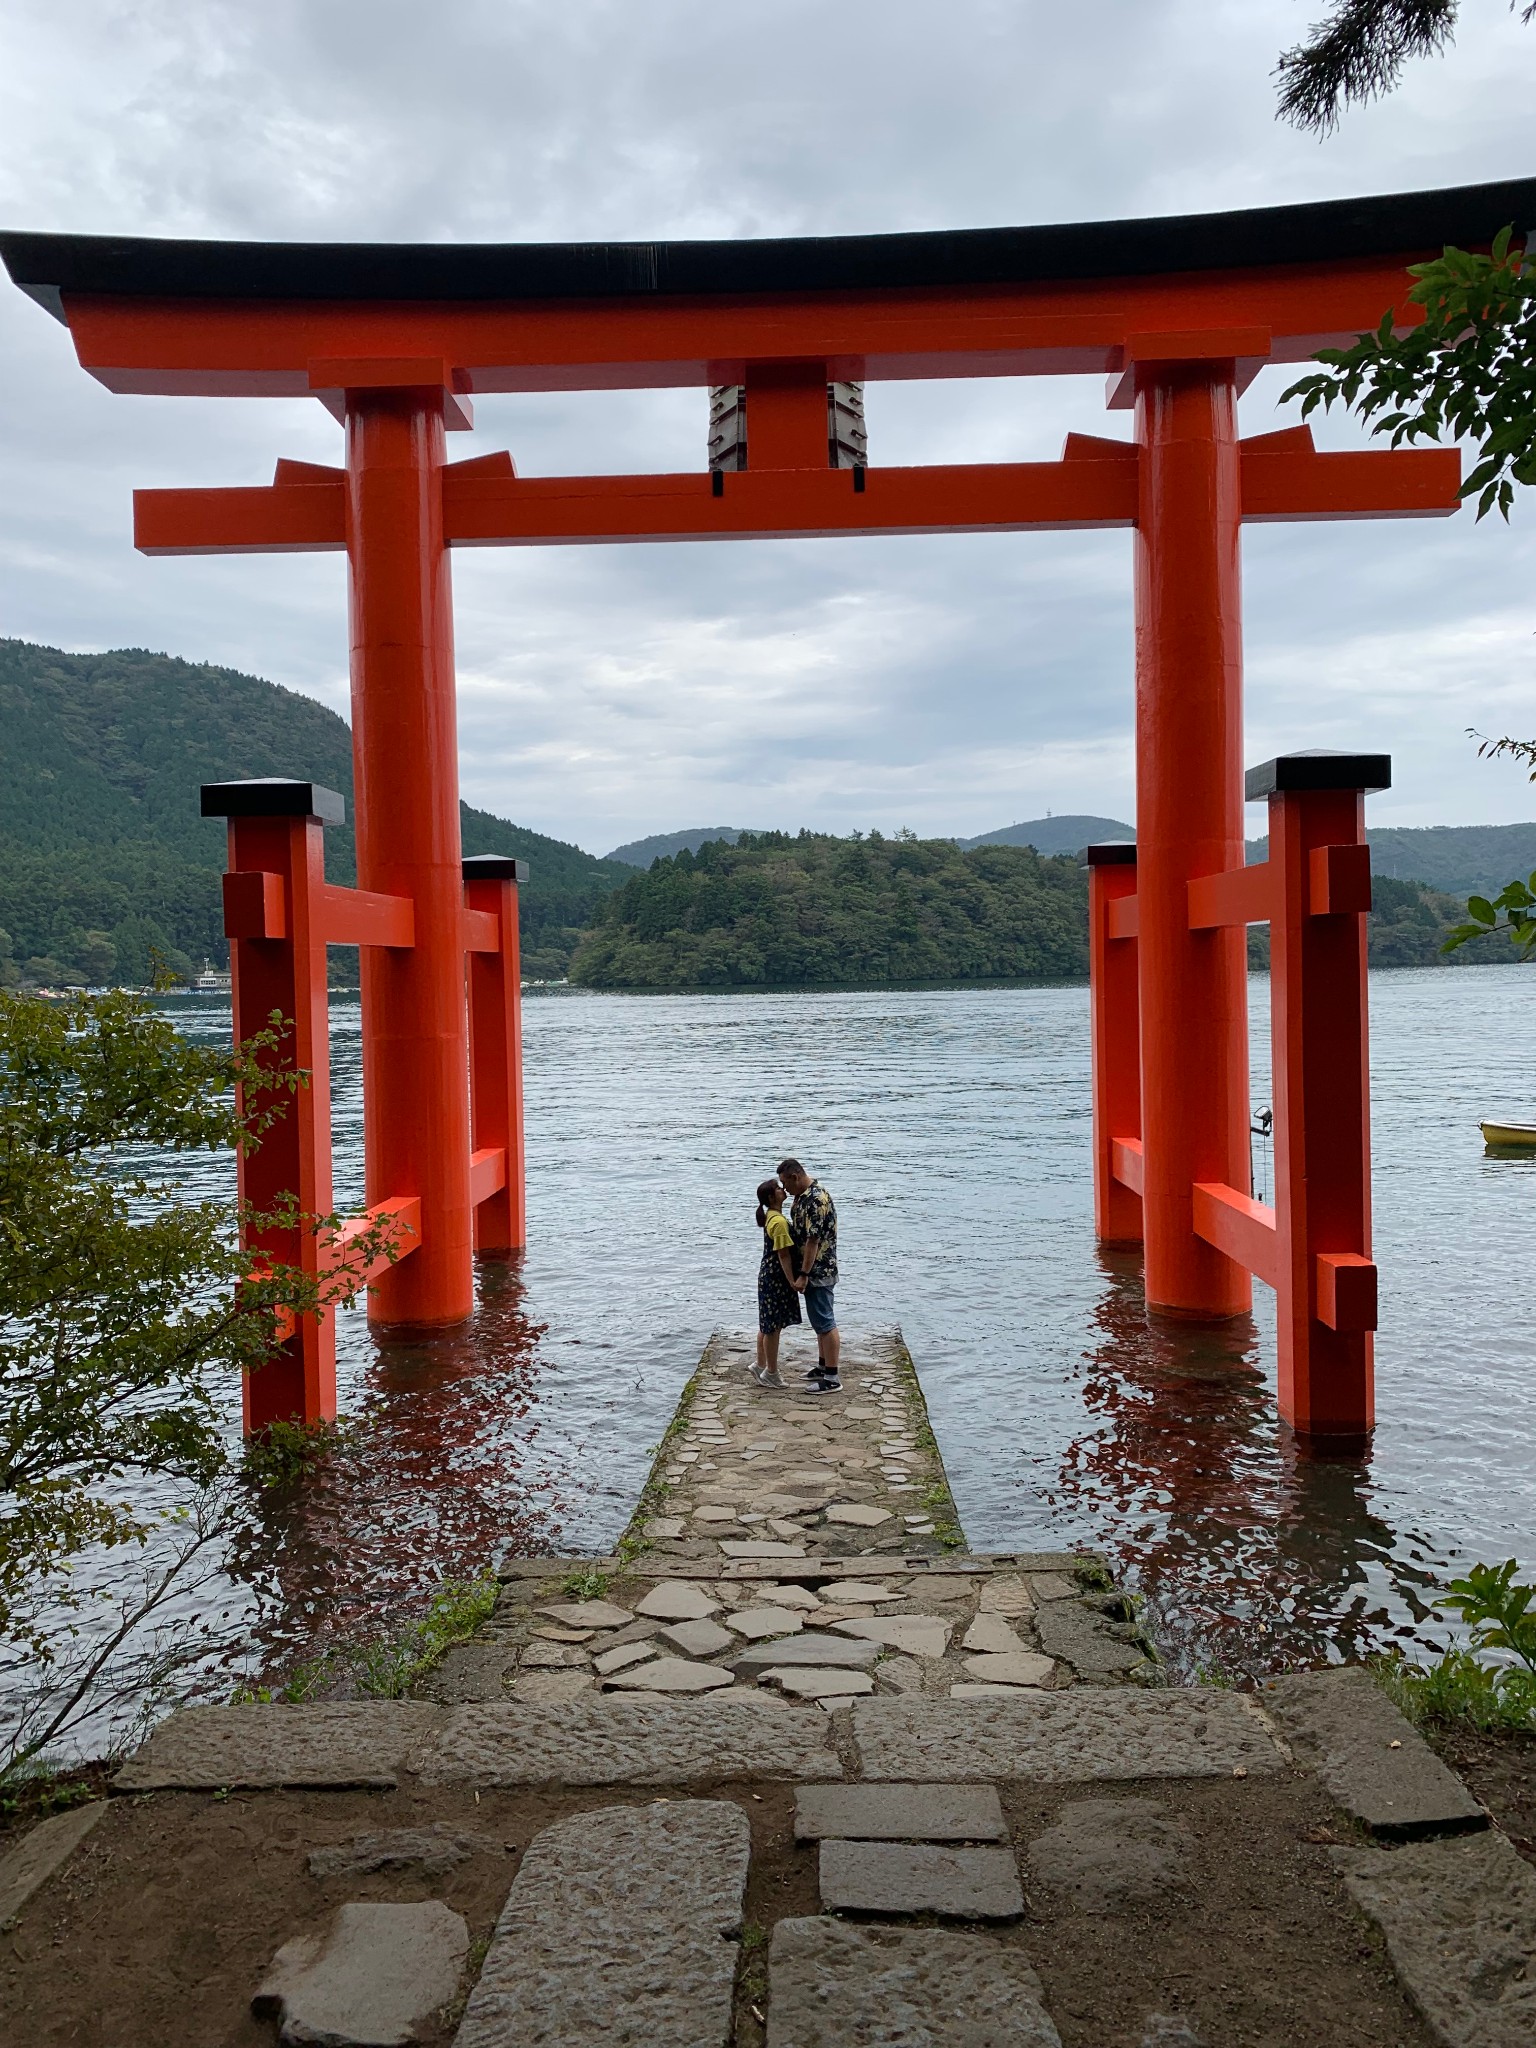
(818, 1306)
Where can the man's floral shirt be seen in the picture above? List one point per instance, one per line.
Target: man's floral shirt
(815, 1215)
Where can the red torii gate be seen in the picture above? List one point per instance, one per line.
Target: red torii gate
(1180, 314)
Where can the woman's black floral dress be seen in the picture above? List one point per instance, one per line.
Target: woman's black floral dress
(778, 1305)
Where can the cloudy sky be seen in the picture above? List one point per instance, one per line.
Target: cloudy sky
(950, 684)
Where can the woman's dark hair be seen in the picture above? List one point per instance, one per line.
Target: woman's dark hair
(766, 1189)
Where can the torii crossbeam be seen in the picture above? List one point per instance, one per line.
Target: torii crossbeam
(1179, 315)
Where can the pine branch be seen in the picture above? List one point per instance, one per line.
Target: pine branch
(1358, 53)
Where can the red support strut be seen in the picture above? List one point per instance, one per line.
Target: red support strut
(1117, 1156)
(280, 914)
(496, 1052)
(1325, 1278)
(272, 914)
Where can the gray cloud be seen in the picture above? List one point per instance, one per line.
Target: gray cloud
(946, 683)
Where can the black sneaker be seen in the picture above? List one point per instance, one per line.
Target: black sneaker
(824, 1383)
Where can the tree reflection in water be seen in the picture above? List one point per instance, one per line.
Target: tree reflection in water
(436, 1476)
(1255, 1553)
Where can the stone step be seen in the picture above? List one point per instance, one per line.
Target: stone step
(1080, 1736)
(617, 1929)
(615, 1740)
(1459, 1918)
(44, 1849)
(899, 1813)
(905, 1877)
(831, 1985)
(1374, 1762)
(208, 1748)
(375, 1977)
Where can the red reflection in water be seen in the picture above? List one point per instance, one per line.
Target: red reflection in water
(434, 1479)
(1256, 1553)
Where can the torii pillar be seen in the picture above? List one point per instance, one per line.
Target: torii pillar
(1189, 820)
(405, 747)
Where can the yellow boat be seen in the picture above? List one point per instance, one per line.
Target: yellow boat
(1509, 1137)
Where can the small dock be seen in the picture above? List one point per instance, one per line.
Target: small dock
(805, 1546)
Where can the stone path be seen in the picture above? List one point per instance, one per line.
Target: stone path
(806, 1545)
(749, 1472)
(793, 1605)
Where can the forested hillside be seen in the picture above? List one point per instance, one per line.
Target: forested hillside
(103, 855)
(775, 910)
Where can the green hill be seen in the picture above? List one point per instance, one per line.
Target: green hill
(1067, 834)
(639, 853)
(779, 911)
(103, 854)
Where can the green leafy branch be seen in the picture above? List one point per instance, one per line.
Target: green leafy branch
(1513, 911)
(1465, 372)
(1499, 1611)
(1464, 1685)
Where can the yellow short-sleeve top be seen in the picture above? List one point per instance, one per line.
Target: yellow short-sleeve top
(779, 1235)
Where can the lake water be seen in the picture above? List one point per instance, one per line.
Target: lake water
(952, 1126)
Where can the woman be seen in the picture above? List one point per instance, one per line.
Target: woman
(778, 1303)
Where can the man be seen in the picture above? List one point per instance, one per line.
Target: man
(813, 1225)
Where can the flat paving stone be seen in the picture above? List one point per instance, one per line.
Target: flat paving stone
(1459, 1919)
(1107, 1854)
(374, 1978)
(617, 1931)
(471, 1671)
(1058, 1738)
(670, 1674)
(545, 1688)
(763, 1549)
(589, 1614)
(863, 1592)
(1004, 1594)
(915, 1635)
(810, 1647)
(1374, 1762)
(1082, 1639)
(832, 1985)
(991, 1635)
(621, 1656)
(905, 1674)
(44, 1849)
(898, 1877)
(637, 1632)
(755, 1624)
(553, 1657)
(206, 1748)
(677, 1601)
(606, 1739)
(857, 1515)
(817, 1682)
(1010, 1667)
(899, 1813)
(697, 1638)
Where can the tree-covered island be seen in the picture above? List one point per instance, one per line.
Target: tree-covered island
(809, 909)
